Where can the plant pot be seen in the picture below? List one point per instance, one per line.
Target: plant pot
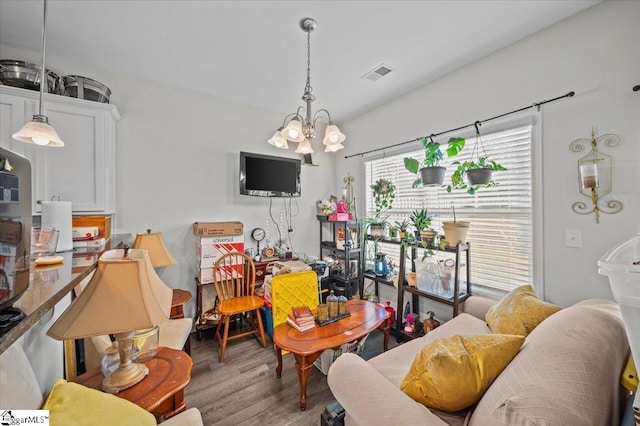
(376, 230)
(478, 176)
(455, 232)
(428, 236)
(432, 176)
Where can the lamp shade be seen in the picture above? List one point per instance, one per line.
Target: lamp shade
(124, 294)
(293, 131)
(278, 140)
(154, 244)
(39, 133)
(333, 147)
(304, 147)
(333, 135)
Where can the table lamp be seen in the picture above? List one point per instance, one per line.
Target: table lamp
(124, 295)
(154, 244)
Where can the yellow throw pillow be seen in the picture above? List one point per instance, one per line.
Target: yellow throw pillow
(74, 404)
(453, 373)
(519, 312)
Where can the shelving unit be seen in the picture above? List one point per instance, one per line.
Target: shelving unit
(459, 295)
(351, 256)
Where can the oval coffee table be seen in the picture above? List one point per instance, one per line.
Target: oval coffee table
(307, 346)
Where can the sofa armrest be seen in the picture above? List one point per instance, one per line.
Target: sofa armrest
(478, 306)
(370, 399)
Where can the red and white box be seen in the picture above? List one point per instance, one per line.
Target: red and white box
(83, 233)
(209, 249)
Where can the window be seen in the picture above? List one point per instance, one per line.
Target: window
(502, 217)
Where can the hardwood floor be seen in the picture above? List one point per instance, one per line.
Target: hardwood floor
(244, 390)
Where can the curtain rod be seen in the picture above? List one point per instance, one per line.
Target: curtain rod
(433, 135)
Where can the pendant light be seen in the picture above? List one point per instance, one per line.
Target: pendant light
(302, 128)
(38, 131)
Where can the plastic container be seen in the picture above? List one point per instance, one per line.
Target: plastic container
(145, 344)
(622, 265)
(326, 358)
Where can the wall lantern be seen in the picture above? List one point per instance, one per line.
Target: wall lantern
(595, 175)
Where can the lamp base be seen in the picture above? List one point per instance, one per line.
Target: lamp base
(124, 377)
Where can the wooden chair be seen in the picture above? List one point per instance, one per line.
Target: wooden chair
(234, 279)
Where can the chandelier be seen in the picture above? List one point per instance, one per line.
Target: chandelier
(302, 130)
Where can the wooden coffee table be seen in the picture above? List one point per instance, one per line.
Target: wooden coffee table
(306, 347)
(162, 391)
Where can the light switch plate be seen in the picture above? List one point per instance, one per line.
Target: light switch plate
(573, 238)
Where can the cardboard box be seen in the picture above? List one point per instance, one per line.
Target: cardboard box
(84, 232)
(102, 222)
(8, 249)
(206, 275)
(209, 249)
(339, 216)
(213, 229)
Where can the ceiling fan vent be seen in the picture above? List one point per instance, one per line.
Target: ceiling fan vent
(378, 72)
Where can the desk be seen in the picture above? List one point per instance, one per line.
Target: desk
(162, 391)
(307, 346)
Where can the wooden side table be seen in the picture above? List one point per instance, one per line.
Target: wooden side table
(162, 391)
(180, 297)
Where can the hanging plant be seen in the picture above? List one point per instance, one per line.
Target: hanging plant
(384, 192)
(432, 173)
(478, 171)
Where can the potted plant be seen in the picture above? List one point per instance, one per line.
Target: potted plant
(432, 173)
(394, 233)
(384, 192)
(478, 170)
(402, 226)
(422, 221)
(478, 174)
(455, 232)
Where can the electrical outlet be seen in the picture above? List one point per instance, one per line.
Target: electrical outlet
(573, 238)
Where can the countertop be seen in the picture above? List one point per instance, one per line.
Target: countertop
(49, 284)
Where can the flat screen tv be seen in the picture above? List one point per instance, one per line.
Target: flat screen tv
(269, 176)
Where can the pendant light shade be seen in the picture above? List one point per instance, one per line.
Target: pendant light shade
(293, 131)
(334, 147)
(278, 140)
(304, 147)
(38, 131)
(333, 135)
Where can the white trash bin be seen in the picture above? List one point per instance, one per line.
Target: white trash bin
(622, 265)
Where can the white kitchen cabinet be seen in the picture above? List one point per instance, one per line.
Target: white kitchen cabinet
(83, 171)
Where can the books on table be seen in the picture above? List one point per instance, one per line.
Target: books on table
(301, 318)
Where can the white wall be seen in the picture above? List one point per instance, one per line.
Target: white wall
(177, 163)
(594, 53)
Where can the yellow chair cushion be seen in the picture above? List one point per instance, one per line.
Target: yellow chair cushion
(453, 373)
(519, 312)
(74, 404)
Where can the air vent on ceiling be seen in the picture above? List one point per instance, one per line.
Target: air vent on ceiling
(378, 72)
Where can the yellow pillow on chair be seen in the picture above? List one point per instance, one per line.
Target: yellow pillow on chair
(519, 312)
(74, 404)
(453, 373)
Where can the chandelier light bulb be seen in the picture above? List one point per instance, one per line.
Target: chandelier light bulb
(333, 135)
(293, 131)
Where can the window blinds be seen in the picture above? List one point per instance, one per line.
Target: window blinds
(501, 217)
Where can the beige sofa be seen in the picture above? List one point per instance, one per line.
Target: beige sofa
(566, 373)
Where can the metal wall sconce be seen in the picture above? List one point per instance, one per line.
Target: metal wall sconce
(595, 175)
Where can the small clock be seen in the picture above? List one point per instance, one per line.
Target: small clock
(268, 252)
(258, 234)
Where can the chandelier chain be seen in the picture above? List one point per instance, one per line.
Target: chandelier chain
(308, 88)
